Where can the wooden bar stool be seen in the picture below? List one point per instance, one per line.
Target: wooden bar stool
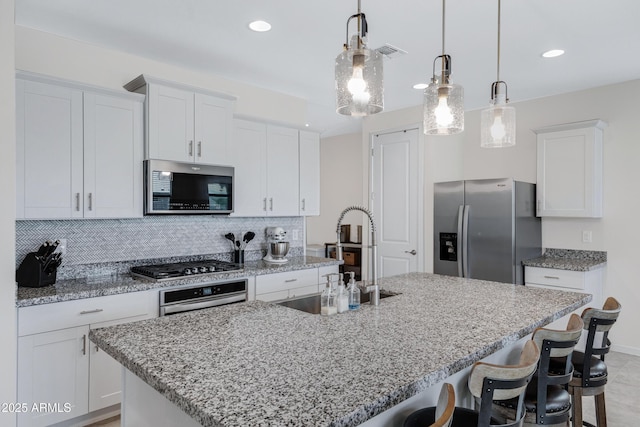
(488, 382)
(546, 400)
(590, 371)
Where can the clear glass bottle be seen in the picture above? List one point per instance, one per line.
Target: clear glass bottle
(342, 296)
(353, 292)
(328, 299)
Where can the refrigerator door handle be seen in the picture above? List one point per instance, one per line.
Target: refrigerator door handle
(465, 241)
(459, 238)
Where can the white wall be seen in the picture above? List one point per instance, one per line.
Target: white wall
(460, 157)
(340, 186)
(8, 331)
(44, 53)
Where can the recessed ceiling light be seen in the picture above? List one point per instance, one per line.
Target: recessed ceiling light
(260, 26)
(306, 124)
(553, 53)
(420, 86)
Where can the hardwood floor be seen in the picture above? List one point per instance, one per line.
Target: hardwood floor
(622, 394)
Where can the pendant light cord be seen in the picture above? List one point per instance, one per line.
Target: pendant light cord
(443, 58)
(498, 65)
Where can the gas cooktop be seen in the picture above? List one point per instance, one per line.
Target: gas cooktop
(183, 269)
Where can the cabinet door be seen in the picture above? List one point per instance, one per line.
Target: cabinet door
(569, 176)
(309, 173)
(170, 124)
(213, 122)
(48, 151)
(53, 368)
(249, 160)
(112, 142)
(282, 171)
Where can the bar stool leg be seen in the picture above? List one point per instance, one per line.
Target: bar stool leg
(601, 411)
(576, 406)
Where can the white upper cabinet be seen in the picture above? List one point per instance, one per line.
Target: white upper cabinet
(113, 154)
(282, 171)
(265, 158)
(184, 123)
(70, 143)
(569, 170)
(309, 173)
(249, 161)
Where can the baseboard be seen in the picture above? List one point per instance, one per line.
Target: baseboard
(91, 417)
(634, 351)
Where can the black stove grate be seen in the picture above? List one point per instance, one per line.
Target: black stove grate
(184, 269)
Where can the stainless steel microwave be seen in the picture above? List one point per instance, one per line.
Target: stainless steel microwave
(187, 188)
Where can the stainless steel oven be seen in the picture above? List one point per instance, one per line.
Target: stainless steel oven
(205, 295)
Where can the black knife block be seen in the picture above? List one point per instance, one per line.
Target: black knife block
(31, 274)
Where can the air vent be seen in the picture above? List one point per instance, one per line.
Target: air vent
(390, 51)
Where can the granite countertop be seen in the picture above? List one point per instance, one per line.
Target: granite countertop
(569, 259)
(258, 363)
(90, 287)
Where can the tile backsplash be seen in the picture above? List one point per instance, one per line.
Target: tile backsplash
(96, 241)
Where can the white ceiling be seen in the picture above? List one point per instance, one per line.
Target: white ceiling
(601, 39)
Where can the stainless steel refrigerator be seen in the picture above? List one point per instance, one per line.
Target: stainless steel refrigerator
(484, 229)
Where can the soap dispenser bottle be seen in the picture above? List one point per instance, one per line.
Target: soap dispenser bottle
(353, 292)
(328, 299)
(342, 296)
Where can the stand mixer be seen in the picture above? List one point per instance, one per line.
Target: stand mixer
(277, 247)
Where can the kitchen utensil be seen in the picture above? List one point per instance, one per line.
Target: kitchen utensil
(248, 236)
(232, 238)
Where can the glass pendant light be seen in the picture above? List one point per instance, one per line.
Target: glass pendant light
(359, 74)
(443, 101)
(498, 122)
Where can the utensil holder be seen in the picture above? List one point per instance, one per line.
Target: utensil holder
(238, 256)
(32, 274)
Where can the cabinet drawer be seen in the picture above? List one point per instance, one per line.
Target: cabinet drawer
(61, 315)
(283, 281)
(555, 278)
(273, 296)
(323, 271)
(306, 290)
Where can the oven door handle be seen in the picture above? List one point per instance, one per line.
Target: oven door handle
(213, 302)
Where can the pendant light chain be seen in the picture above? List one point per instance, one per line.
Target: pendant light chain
(359, 26)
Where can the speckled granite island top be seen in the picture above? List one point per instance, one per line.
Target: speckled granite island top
(569, 259)
(258, 363)
(90, 287)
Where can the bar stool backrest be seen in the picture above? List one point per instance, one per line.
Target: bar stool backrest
(598, 321)
(490, 382)
(445, 407)
(572, 333)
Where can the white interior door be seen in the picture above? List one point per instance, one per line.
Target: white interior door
(397, 201)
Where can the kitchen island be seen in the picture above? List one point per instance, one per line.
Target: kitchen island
(258, 363)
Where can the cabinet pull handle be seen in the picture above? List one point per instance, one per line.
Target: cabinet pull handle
(97, 310)
(412, 252)
(97, 348)
(190, 148)
(304, 204)
(290, 280)
(264, 204)
(551, 277)
(77, 201)
(271, 203)
(84, 344)
(199, 148)
(539, 206)
(90, 201)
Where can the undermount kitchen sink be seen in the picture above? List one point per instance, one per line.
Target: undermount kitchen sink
(311, 303)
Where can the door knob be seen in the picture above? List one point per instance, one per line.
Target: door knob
(412, 252)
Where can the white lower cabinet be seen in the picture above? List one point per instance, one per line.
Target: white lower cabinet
(567, 280)
(53, 376)
(60, 370)
(290, 284)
